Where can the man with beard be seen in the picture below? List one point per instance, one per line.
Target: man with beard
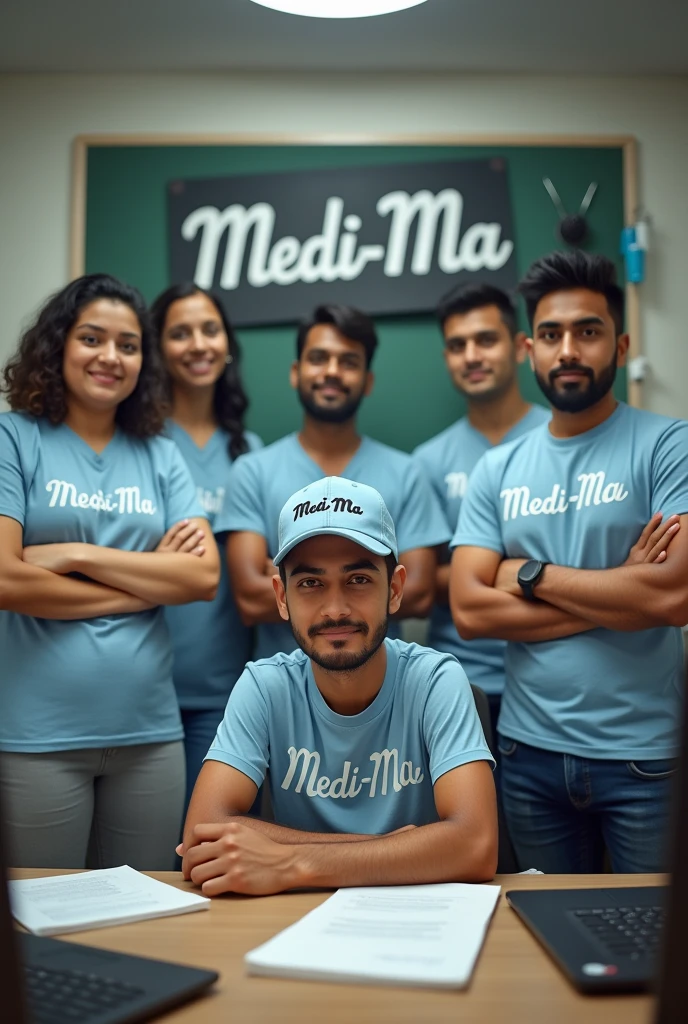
(482, 351)
(379, 770)
(572, 545)
(331, 375)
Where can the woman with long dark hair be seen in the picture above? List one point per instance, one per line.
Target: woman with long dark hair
(99, 527)
(207, 404)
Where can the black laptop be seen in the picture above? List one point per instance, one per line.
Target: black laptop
(627, 939)
(605, 940)
(46, 981)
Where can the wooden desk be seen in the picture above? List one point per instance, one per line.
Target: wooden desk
(515, 982)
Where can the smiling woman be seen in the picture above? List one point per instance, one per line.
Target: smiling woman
(207, 404)
(73, 328)
(96, 534)
(102, 356)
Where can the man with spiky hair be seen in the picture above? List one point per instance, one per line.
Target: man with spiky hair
(572, 545)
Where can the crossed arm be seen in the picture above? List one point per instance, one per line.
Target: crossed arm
(650, 589)
(35, 580)
(251, 571)
(240, 854)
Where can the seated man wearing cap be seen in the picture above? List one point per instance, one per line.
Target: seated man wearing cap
(378, 768)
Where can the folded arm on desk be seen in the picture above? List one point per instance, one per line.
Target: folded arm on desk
(224, 851)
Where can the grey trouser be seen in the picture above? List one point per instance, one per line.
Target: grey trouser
(94, 808)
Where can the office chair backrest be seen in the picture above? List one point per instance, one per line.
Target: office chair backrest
(482, 706)
(506, 858)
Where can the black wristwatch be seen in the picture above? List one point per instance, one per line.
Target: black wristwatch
(529, 575)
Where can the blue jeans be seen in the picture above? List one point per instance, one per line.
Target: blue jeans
(563, 811)
(200, 726)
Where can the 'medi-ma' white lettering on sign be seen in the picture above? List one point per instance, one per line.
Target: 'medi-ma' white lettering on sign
(335, 255)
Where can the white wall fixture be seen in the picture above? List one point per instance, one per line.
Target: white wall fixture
(339, 8)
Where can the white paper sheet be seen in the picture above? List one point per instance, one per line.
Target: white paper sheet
(95, 899)
(400, 935)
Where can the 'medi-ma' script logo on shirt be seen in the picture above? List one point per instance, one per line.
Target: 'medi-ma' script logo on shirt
(128, 499)
(211, 501)
(593, 490)
(386, 769)
(307, 508)
(456, 484)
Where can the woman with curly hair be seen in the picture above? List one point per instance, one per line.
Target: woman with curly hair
(91, 499)
(207, 406)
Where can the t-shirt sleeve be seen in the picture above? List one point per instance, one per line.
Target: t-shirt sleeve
(243, 508)
(181, 498)
(479, 520)
(451, 726)
(13, 486)
(670, 471)
(242, 736)
(421, 522)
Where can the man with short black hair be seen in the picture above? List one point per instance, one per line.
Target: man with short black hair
(482, 351)
(379, 770)
(572, 545)
(331, 375)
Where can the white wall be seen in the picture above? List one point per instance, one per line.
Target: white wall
(41, 114)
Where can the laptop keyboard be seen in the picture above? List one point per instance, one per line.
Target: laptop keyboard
(70, 997)
(633, 932)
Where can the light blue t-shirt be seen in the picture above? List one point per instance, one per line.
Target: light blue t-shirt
(448, 460)
(260, 483)
(210, 643)
(106, 681)
(368, 773)
(583, 502)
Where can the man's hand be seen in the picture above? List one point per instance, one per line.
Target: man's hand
(235, 858)
(58, 558)
(183, 537)
(652, 544)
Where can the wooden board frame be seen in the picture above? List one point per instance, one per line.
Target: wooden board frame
(627, 144)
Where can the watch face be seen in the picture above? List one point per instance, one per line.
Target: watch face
(530, 571)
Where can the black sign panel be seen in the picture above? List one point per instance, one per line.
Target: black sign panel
(388, 239)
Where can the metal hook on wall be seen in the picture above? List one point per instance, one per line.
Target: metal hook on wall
(573, 227)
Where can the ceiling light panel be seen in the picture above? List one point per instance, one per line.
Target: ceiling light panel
(339, 8)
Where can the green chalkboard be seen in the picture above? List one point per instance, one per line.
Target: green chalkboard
(126, 235)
